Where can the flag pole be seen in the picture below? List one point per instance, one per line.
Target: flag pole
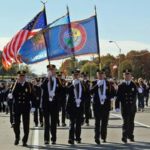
(47, 48)
(71, 35)
(97, 39)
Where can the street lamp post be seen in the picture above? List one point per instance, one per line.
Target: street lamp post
(119, 57)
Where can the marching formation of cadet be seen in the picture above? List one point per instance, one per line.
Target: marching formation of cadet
(76, 99)
(87, 97)
(62, 98)
(50, 104)
(102, 92)
(38, 113)
(23, 100)
(75, 107)
(126, 95)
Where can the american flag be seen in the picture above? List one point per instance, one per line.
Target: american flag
(10, 51)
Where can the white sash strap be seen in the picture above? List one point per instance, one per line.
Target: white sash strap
(77, 97)
(51, 90)
(102, 95)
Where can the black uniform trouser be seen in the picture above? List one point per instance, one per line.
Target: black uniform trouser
(2, 107)
(87, 110)
(25, 118)
(146, 99)
(101, 122)
(140, 101)
(38, 113)
(75, 125)
(11, 112)
(128, 124)
(50, 120)
(62, 107)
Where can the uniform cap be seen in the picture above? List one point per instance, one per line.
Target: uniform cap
(102, 71)
(127, 71)
(59, 73)
(21, 72)
(51, 66)
(76, 71)
(84, 74)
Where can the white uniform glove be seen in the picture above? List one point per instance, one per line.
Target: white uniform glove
(78, 101)
(99, 83)
(52, 94)
(32, 110)
(10, 96)
(5, 103)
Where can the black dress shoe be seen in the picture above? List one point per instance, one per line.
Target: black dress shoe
(87, 124)
(70, 142)
(41, 124)
(24, 144)
(132, 140)
(104, 141)
(97, 141)
(63, 125)
(53, 142)
(46, 142)
(78, 141)
(12, 125)
(16, 142)
(124, 140)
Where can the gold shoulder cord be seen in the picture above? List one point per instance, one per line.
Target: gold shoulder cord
(13, 88)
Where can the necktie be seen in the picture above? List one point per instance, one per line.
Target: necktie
(50, 83)
(77, 89)
(101, 87)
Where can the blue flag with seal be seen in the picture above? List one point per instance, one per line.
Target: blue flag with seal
(61, 44)
(35, 49)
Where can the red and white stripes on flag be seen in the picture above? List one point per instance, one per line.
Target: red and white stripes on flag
(11, 50)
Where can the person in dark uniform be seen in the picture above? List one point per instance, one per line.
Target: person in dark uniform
(37, 91)
(141, 88)
(147, 91)
(2, 97)
(102, 93)
(126, 95)
(50, 104)
(75, 108)
(87, 97)
(22, 97)
(10, 101)
(62, 98)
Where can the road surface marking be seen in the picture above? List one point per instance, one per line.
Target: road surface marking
(141, 124)
(36, 139)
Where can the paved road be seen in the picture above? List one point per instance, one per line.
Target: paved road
(35, 142)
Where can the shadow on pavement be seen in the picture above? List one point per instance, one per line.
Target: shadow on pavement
(139, 145)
